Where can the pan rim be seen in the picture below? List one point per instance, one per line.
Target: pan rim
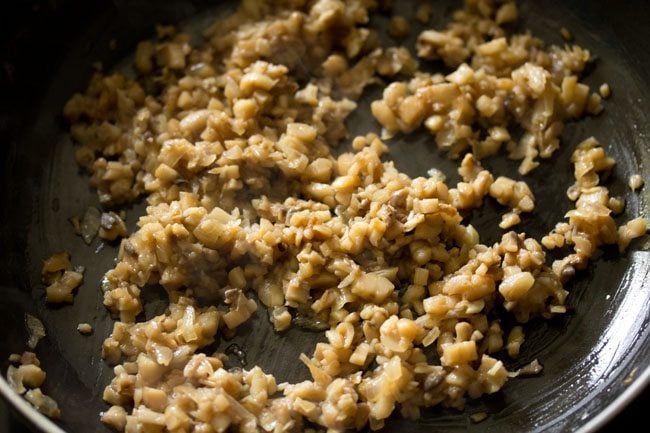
(618, 404)
(26, 410)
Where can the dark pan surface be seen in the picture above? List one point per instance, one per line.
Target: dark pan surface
(587, 355)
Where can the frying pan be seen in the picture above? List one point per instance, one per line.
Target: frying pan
(596, 358)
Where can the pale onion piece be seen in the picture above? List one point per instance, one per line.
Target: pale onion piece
(530, 369)
(635, 182)
(114, 417)
(85, 328)
(162, 354)
(478, 417)
(31, 375)
(373, 287)
(90, 224)
(44, 403)
(187, 325)
(15, 379)
(317, 373)
(35, 330)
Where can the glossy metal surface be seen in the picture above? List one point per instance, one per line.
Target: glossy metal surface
(587, 355)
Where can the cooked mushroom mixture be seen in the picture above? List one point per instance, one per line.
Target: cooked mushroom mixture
(26, 379)
(232, 143)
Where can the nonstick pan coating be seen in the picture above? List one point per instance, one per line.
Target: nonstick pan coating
(587, 355)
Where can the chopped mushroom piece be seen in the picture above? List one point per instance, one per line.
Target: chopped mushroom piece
(478, 417)
(635, 182)
(62, 289)
(112, 227)
(43, 403)
(54, 267)
(515, 195)
(85, 328)
(631, 230)
(27, 379)
(61, 280)
(605, 91)
(115, 417)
